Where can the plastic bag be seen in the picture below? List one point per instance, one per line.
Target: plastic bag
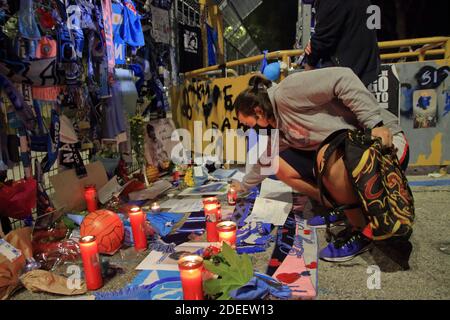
(51, 248)
(18, 198)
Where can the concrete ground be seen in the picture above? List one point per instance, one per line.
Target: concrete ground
(427, 278)
(429, 274)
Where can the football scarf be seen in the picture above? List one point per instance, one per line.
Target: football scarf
(25, 92)
(46, 141)
(4, 154)
(108, 35)
(86, 9)
(28, 27)
(43, 204)
(52, 143)
(23, 110)
(70, 158)
(73, 12)
(67, 52)
(284, 242)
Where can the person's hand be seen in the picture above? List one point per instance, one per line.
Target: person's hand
(385, 134)
(308, 49)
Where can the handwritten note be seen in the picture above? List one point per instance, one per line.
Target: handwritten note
(183, 205)
(269, 211)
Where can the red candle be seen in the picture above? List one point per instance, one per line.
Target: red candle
(191, 268)
(212, 212)
(91, 263)
(232, 196)
(227, 232)
(176, 176)
(90, 196)
(210, 200)
(137, 220)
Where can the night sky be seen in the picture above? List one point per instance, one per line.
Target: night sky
(273, 23)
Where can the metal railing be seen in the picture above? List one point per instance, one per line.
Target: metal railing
(416, 49)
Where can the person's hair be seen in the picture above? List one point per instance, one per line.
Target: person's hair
(255, 96)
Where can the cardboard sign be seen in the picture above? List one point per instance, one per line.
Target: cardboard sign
(69, 189)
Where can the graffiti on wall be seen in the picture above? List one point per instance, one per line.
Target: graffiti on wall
(210, 102)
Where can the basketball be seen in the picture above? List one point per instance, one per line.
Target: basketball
(107, 227)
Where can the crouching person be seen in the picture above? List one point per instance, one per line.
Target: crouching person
(335, 145)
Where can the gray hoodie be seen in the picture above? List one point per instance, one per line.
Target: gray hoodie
(310, 106)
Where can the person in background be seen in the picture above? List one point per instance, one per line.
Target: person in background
(342, 38)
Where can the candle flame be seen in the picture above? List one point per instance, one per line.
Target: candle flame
(87, 239)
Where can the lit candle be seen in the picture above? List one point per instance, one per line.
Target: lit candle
(137, 220)
(227, 232)
(212, 212)
(90, 196)
(91, 263)
(210, 200)
(191, 267)
(232, 196)
(155, 207)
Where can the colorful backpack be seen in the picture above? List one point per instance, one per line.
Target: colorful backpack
(385, 196)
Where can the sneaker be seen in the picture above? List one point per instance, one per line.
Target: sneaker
(346, 249)
(336, 218)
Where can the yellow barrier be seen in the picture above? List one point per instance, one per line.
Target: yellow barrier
(429, 48)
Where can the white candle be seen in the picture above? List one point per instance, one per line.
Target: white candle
(155, 207)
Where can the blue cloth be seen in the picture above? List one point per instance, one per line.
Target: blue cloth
(119, 42)
(139, 73)
(212, 37)
(114, 113)
(163, 222)
(132, 28)
(257, 288)
(194, 224)
(77, 218)
(250, 249)
(28, 27)
(129, 293)
(160, 246)
(86, 9)
(66, 50)
(254, 237)
(74, 16)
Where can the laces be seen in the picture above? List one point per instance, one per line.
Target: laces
(342, 243)
(335, 213)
